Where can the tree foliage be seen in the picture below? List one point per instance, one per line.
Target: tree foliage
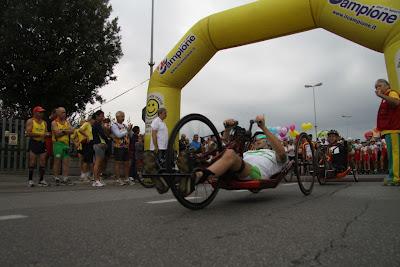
(55, 53)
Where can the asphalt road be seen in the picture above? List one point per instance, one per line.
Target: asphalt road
(340, 224)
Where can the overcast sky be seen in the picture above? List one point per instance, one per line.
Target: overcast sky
(263, 78)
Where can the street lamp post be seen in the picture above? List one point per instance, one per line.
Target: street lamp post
(151, 62)
(347, 124)
(315, 111)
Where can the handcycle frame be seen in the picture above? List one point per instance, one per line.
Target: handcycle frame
(240, 140)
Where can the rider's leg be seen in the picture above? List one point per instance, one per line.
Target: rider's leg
(230, 161)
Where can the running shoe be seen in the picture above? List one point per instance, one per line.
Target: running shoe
(67, 181)
(57, 180)
(130, 181)
(120, 182)
(43, 183)
(31, 183)
(97, 184)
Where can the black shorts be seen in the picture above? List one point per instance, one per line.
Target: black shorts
(121, 154)
(88, 152)
(37, 147)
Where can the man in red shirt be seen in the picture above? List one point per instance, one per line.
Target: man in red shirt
(388, 123)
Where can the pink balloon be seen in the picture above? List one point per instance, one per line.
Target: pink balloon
(292, 127)
(284, 131)
(282, 134)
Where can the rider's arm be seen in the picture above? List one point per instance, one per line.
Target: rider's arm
(228, 124)
(275, 142)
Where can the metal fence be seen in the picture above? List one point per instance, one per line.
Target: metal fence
(13, 145)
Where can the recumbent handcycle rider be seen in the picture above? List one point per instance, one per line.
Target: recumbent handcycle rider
(338, 151)
(258, 163)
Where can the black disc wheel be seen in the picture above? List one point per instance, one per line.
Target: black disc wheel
(193, 144)
(305, 164)
(322, 165)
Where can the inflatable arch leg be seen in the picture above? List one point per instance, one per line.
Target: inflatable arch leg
(392, 58)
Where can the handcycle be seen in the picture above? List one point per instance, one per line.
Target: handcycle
(326, 172)
(181, 165)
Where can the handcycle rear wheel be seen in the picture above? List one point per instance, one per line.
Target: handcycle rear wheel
(185, 161)
(305, 168)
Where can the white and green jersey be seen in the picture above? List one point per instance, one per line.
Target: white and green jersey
(264, 163)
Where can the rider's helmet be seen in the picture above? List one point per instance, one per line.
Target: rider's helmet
(333, 132)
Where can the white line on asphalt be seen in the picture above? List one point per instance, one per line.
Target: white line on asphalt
(168, 200)
(12, 217)
(290, 184)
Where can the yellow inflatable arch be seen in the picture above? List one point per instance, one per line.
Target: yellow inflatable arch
(371, 23)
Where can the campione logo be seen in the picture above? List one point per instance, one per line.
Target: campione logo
(383, 14)
(169, 62)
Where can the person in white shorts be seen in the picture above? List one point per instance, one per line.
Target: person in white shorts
(260, 163)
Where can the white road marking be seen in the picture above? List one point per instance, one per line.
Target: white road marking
(290, 184)
(168, 200)
(239, 191)
(12, 217)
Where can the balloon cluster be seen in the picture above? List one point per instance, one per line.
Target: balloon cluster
(285, 132)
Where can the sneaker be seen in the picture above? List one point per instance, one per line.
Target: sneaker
(130, 181)
(31, 183)
(43, 183)
(187, 185)
(120, 182)
(97, 184)
(67, 181)
(57, 181)
(161, 185)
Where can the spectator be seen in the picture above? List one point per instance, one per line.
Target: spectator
(195, 144)
(36, 129)
(365, 152)
(159, 134)
(133, 175)
(109, 150)
(139, 153)
(374, 156)
(121, 135)
(357, 156)
(76, 138)
(61, 130)
(87, 147)
(388, 123)
(159, 145)
(100, 141)
(49, 139)
(291, 150)
(183, 144)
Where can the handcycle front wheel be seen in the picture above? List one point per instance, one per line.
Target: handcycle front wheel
(305, 164)
(185, 160)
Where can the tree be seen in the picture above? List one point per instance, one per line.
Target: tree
(55, 53)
